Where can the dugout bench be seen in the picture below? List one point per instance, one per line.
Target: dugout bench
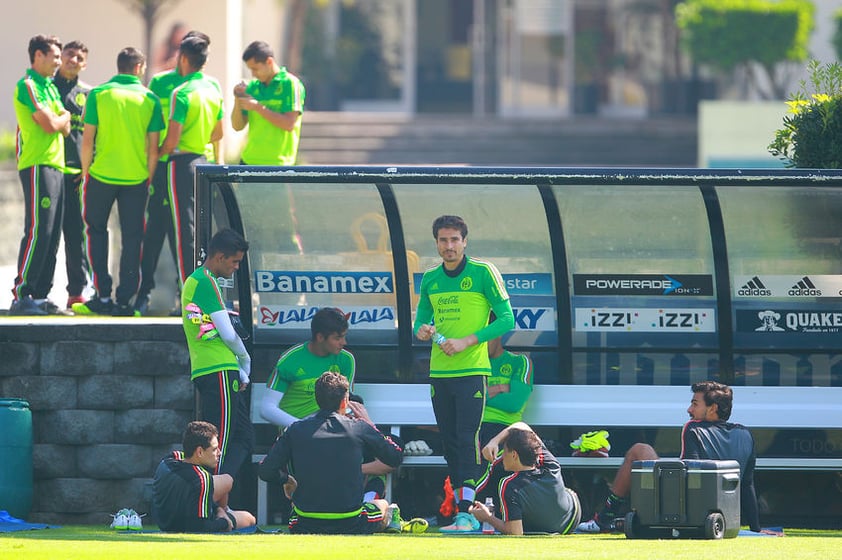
(394, 406)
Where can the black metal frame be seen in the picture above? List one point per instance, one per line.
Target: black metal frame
(707, 180)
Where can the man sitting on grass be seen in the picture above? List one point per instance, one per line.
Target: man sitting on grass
(708, 435)
(317, 460)
(533, 496)
(188, 498)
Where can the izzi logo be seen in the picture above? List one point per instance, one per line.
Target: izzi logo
(804, 287)
(754, 287)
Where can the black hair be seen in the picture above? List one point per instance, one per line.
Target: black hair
(330, 389)
(446, 221)
(716, 393)
(260, 51)
(228, 242)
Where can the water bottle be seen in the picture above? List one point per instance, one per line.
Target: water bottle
(439, 338)
(487, 528)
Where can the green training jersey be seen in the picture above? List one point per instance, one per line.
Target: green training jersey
(124, 112)
(162, 84)
(196, 104)
(459, 306)
(201, 297)
(514, 370)
(296, 373)
(35, 146)
(267, 144)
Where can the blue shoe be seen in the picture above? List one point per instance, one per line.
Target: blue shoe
(26, 306)
(463, 523)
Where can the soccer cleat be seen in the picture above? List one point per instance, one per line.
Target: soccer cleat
(121, 520)
(26, 306)
(463, 523)
(94, 306)
(589, 526)
(415, 525)
(395, 522)
(53, 309)
(74, 299)
(121, 310)
(591, 444)
(141, 304)
(134, 521)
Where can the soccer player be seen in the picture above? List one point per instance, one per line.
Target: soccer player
(219, 362)
(187, 497)
(290, 388)
(533, 497)
(195, 120)
(119, 154)
(455, 300)
(708, 435)
(42, 124)
(509, 389)
(271, 106)
(317, 460)
(74, 93)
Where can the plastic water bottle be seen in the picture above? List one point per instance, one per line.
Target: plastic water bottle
(439, 338)
(488, 528)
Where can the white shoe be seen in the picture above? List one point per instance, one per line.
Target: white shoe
(589, 526)
(134, 522)
(121, 520)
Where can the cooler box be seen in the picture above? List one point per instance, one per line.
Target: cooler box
(676, 498)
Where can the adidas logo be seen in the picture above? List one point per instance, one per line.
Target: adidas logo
(804, 287)
(478, 395)
(754, 287)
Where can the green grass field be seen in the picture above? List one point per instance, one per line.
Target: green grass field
(89, 542)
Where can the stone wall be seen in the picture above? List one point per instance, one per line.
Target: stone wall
(109, 398)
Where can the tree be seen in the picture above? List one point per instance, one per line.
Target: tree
(151, 11)
(760, 36)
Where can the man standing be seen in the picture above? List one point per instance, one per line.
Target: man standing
(187, 497)
(708, 435)
(271, 106)
(324, 451)
(74, 94)
(454, 302)
(159, 215)
(533, 497)
(219, 362)
(119, 155)
(42, 124)
(195, 120)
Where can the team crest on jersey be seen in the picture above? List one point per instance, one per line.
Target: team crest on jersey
(45, 202)
(467, 283)
(80, 99)
(506, 369)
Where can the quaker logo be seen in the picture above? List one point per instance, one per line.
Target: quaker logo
(804, 287)
(754, 288)
(643, 284)
(286, 281)
(772, 320)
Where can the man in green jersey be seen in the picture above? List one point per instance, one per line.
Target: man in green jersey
(43, 122)
(455, 300)
(271, 106)
(159, 217)
(195, 120)
(509, 388)
(74, 94)
(290, 389)
(119, 154)
(219, 362)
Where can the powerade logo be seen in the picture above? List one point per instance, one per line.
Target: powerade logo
(804, 287)
(754, 287)
(643, 284)
(287, 282)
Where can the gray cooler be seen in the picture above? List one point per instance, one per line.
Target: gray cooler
(676, 498)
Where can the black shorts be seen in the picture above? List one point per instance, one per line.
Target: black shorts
(370, 520)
